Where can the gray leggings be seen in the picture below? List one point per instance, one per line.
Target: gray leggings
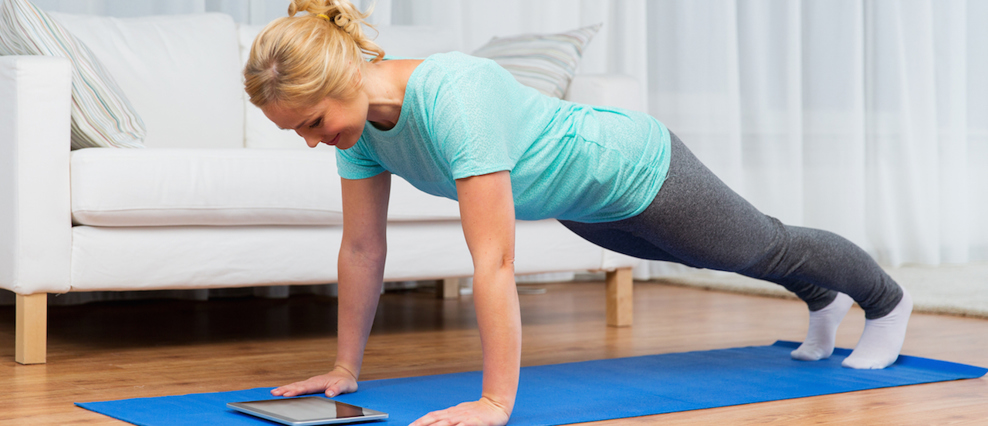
(698, 221)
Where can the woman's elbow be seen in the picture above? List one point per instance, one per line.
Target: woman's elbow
(496, 263)
(366, 251)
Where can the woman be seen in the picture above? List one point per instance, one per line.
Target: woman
(463, 128)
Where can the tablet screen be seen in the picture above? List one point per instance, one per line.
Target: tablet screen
(307, 410)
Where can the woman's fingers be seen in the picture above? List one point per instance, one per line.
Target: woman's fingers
(474, 413)
(295, 389)
(333, 383)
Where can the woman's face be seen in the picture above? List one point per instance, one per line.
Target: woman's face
(331, 121)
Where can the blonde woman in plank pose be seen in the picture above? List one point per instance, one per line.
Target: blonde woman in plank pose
(462, 128)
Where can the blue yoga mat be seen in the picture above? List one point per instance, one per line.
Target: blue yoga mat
(582, 391)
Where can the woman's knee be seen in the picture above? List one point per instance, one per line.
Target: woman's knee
(779, 258)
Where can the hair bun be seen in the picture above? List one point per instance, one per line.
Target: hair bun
(345, 16)
(347, 23)
(340, 12)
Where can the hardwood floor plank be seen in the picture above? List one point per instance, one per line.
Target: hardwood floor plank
(121, 350)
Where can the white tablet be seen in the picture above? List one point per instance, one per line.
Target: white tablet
(307, 410)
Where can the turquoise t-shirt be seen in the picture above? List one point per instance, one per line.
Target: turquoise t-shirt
(465, 116)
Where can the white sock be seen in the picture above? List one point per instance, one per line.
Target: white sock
(882, 338)
(819, 343)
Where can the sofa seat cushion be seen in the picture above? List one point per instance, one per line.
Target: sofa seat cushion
(223, 187)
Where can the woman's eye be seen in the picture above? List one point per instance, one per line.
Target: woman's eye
(315, 123)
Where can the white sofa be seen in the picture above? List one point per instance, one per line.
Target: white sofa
(221, 197)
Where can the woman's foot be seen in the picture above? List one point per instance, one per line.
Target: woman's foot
(819, 343)
(882, 338)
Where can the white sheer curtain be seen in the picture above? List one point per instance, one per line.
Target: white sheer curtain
(868, 118)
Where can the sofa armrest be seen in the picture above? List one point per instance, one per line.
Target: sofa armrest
(612, 90)
(35, 209)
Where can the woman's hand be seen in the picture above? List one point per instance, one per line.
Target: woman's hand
(484, 412)
(336, 382)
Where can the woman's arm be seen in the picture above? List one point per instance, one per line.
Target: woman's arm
(361, 275)
(488, 216)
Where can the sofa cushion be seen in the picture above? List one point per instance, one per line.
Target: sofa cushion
(223, 187)
(181, 72)
(546, 62)
(101, 114)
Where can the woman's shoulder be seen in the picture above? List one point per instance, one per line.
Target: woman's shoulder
(447, 80)
(457, 71)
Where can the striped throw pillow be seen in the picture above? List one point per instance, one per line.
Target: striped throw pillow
(101, 114)
(546, 62)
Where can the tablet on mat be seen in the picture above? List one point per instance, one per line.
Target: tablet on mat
(307, 410)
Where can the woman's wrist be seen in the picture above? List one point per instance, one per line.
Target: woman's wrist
(347, 370)
(506, 405)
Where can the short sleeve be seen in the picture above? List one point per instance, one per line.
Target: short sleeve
(353, 163)
(473, 118)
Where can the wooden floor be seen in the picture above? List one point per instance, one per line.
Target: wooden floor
(151, 348)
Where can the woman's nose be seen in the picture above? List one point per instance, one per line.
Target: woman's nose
(310, 139)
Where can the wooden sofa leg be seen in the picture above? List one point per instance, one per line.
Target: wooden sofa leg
(449, 288)
(620, 301)
(31, 329)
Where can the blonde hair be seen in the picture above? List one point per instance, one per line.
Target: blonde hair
(301, 60)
